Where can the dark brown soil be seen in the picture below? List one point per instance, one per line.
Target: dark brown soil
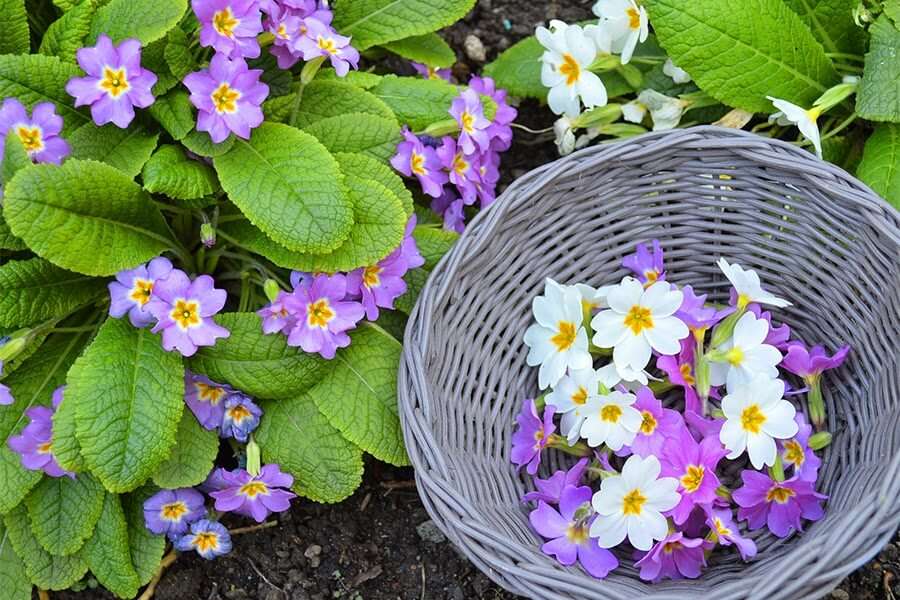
(380, 544)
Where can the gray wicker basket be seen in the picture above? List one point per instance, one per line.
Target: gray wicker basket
(815, 234)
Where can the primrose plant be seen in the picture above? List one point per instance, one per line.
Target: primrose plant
(207, 253)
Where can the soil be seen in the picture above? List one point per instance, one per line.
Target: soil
(380, 543)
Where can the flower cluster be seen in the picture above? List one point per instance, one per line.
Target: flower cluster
(460, 171)
(219, 406)
(320, 309)
(34, 444)
(656, 476)
(181, 308)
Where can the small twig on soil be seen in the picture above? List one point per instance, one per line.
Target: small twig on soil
(43, 595)
(422, 597)
(166, 562)
(886, 582)
(266, 579)
(398, 485)
(365, 503)
(366, 576)
(252, 528)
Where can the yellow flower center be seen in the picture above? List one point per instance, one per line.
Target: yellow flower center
(252, 489)
(114, 82)
(692, 478)
(638, 319)
(752, 418)
(742, 301)
(141, 291)
(570, 68)
(238, 413)
(186, 313)
(565, 337)
(580, 396)
(686, 374)
(319, 313)
(371, 276)
(793, 453)
(225, 23)
(577, 534)
(651, 276)
(31, 138)
(460, 165)
(206, 541)
(670, 547)
(538, 438)
(721, 530)
(45, 448)
(282, 32)
(468, 121)
(634, 18)
(417, 163)
(780, 494)
(210, 393)
(814, 113)
(611, 413)
(327, 44)
(173, 511)
(633, 502)
(225, 98)
(735, 356)
(649, 423)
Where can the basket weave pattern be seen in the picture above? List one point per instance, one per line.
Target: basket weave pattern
(816, 236)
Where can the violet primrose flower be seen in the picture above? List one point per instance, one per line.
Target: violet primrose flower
(680, 370)
(171, 512)
(451, 209)
(500, 131)
(432, 73)
(531, 436)
(413, 158)
(254, 497)
(550, 490)
(463, 169)
(646, 266)
(797, 454)
(473, 126)
(115, 81)
(240, 418)
(228, 96)
(39, 133)
(6, 397)
(184, 309)
(35, 443)
(133, 289)
(811, 363)
(206, 399)
(694, 466)
(780, 505)
(321, 40)
(721, 522)
(229, 26)
(276, 317)
(659, 427)
(674, 557)
(323, 315)
(209, 538)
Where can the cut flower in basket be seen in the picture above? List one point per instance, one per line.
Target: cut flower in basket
(656, 446)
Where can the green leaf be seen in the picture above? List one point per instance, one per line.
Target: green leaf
(370, 168)
(146, 548)
(129, 395)
(34, 78)
(34, 290)
(65, 445)
(153, 58)
(13, 580)
(61, 211)
(326, 467)
(880, 166)
(64, 511)
(178, 53)
(173, 111)
(192, 455)
(831, 22)
(741, 52)
(359, 395)
(14, 34)
(172, 173)
(125, 149)
(261, 365)
(358, 132)
(66, 35)
(14, 159)
(108, 552)
(429, 49)
(892, 10)
(323, 99)
(46, 571)
(146, 20)
(372, 22)
(361, 79)
(289, 186)
(433, 243)
(878, 96)
(518, 69)
(201, 144)
(417, 102)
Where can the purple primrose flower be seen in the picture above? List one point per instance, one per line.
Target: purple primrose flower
(229, 26)
(432, 73)
(694, 466)
(35, 443)
(550, 490)
(659, 425)
(39, 133)
(680, 370)
(675, 556)
(473, 126)
(727, 533)
(531, 436)
(500, 130)
(184, 309)
(463, 169)
(323, 315)
(646, 266)
(321, 40)
(797, 454)
(132, 290)
(254, 497)
(276, 317)
(811, 363)
(413, 158)
(171, 512)
(209, 538)
(451, 208)
(205, 398)
(780, 505)
(240, 418)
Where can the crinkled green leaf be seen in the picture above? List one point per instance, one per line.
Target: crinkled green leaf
(46, 571)
(892, 10)
(173, 111)
(201, 144)
(146, 20)
(34, 290)
(153, 58)
(323, 99)
(67, 34)
(14, 158)
(880, 166)
(326, 467)
(34, 78)
(108, 552)
(279, 80)
(192, 455)
(146, 548)
(65, 445)
(831, 21)
(64, 511)
(358, 132)
(261, 365)
(370, 168)
(125, 149)
(178, 53)
(61, 211)
(372, 22)
(289, 186)
(14, 34)
(129, 396)
(741, 52)
(361, 79)
(429, 49)
(359, 394)
(433, 243)
(518, 69)
(878, 96)
(417, 102)
(13, 580)
(172, 173)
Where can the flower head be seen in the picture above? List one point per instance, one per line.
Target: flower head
(132, 291)
(805, 120)
(230, 27)
(531, 436)
(558, 341)
(694, 465)
(115, 81)
(779, 504)
(647, 267)
(571, 394)
(205, 398)
(228, 96)
(432, 73)
(748, 287)
(463, 169)
(631, 504)
(722, 524)
(811, 363)
(171, 512)
(696, 314)
(568, 56)
(473, 126)
(626, 24)
(566, 530)
(240, 417)
(611, 419)
(665, 111)
(680, 370)
(673, 557)
(209, 538)
(745, 355)
(796, 453)
(414, 159)
(658, 425)
(777, 336)
(323, 315)
(35, 443)
(276, 317)
(254, 497)
(39, 133)
(550, 490)
(321, 40)
(451, 209)
(634, 111)
(184, 311)
(499, 130)
(755, 416)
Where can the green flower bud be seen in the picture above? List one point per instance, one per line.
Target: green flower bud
(819, 440)
(270, 287)
(254, 461)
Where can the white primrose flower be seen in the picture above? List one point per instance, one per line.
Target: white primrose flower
(611, 419)
(625, 23)
(664, 110)
(631, 505)
(638, 321)
(634, 111)
(744, 355)
(593, 298)
(565, 136)
(748, 287)
(677, 74)
(804, 119)
(570, 53)
(571, 395)
(755, 415)
(558, 341)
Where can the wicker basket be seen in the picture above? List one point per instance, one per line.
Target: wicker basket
(816, 235)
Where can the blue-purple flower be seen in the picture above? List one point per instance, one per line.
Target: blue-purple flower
(240, 418)
(132, 290)
(206, 399)
(209, 538)
(35, 443)
(38, 133)
(531, 436)
(415, 159)
(184, 310)
(431, 72)
(115, 81)
(674, 557)
(463, 169)
(550, 490)
(811, 363)
(229, 26)
(324, 315)
(500, 130)
(647, 266)
(171, 512)
(276, 317)
(473, 126)
(694, 466)
(659, 426)
(255, 497)
(722, 524)
(796, 453)
(321, 40)
(782, 505)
